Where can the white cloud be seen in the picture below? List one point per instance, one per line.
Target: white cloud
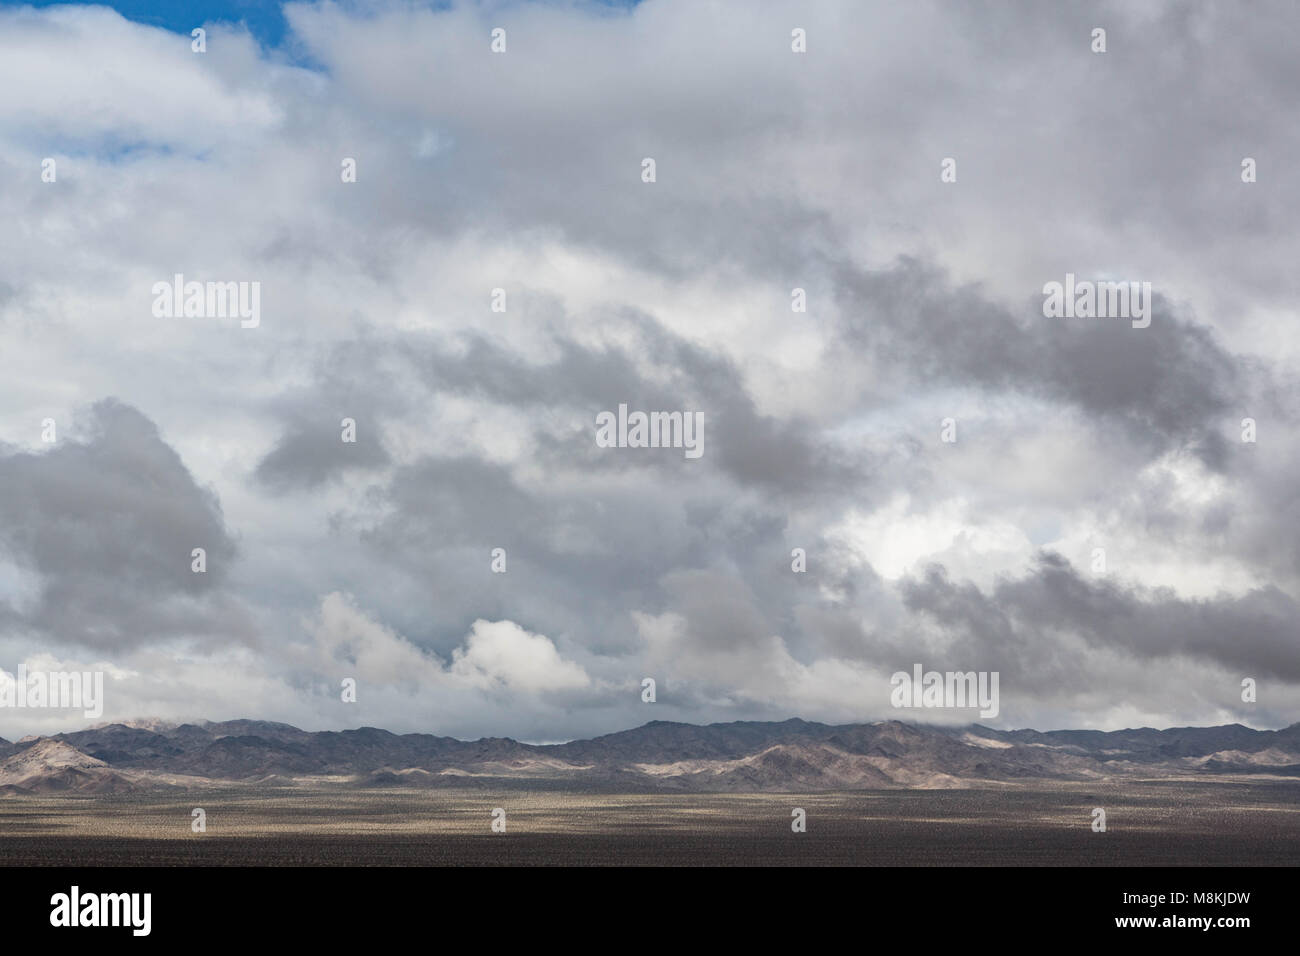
(503, 652)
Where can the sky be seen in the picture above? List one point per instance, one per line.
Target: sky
(1099, 533)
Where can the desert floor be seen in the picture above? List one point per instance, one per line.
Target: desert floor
(1147, 823)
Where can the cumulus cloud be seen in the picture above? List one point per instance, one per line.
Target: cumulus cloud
(502, 652)
(495, 654)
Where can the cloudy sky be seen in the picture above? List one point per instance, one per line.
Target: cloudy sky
(774, 170)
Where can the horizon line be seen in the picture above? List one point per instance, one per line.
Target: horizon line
(200, 722)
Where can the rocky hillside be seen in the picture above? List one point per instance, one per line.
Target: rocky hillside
(792, 755)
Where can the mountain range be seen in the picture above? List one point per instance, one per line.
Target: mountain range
(789, 756)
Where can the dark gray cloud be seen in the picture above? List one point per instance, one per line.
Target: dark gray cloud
(1172, 384)
(1011, 627)
(108, 519)
(663, 373)
(311, 451)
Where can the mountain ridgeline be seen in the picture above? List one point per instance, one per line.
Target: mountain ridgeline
(789, 756)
